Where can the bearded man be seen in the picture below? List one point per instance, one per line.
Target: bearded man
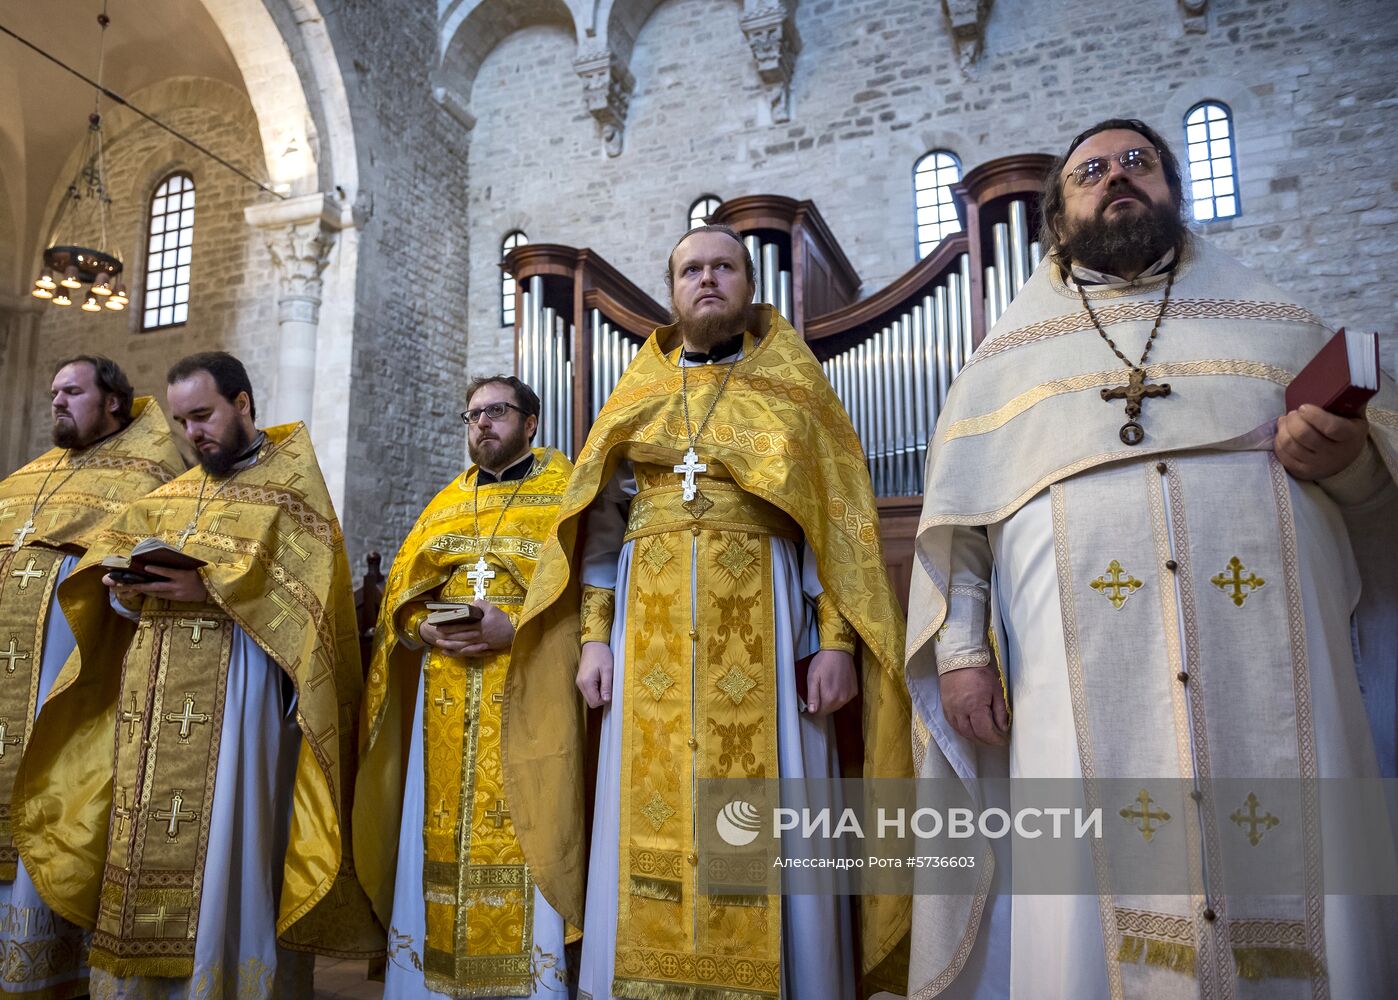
(186, 794)
(1172, 600)
(719, 527)
(109, 450)
(434, 840)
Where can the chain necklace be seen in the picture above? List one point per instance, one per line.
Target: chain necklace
(200, 504)
(694, 501)
(27, 528)
(1136, 389)
(481, 573)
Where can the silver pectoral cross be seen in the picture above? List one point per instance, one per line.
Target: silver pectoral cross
(189, 529)
(478, 577)
(21, 533)
(688, 468)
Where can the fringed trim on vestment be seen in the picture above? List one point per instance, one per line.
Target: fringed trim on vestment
(1161, 954)
(1273, 963)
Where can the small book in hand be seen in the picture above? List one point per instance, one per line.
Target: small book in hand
(147, 558)
(452, 613)
(1342, 378)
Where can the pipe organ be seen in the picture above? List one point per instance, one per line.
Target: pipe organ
(890, 355)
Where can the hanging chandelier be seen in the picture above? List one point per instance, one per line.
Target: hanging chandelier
(69, 262)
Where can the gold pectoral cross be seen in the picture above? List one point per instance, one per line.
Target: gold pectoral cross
(1133, 392)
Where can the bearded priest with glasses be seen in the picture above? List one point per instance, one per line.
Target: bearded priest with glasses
(1204, 593)
(434, 837)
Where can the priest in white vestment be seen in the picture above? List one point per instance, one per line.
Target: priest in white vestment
(1116, 580)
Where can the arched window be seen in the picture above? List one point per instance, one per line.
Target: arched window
(507, 281)
(169, 248)
(704, 206)
(933, 176)
(1213, 161)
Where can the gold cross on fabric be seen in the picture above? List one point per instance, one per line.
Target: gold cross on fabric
(161, 514)
(6, 740)
(289, 485)
(27, 574)
(187, 717)
(291, 542)
(122, 812)
(1146, 815)
(444, 702)
(55, 515)
(196, 627)
(498, 815)
(159, 917)
(1234, 580)
(218, 517)
(176, 815)
(1257, 825)
(1114, 586)
(286, 611)
(131, 719)
(12, 654)
(440, 814)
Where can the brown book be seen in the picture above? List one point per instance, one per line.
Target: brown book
(148, 557)
(451, 612)
(1341, 378)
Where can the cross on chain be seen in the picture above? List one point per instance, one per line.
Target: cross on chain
(6, 740)
(196, 627)
(1133, 392)
(175, 814)
(189, 529)
(688, 468)
(159, 917)
(1252, 821)
(479, 575)
(131, 719)
(12, 654)
(186, 717)
(21, 533)
(1145, 815)
(498, 815)
(27, 574)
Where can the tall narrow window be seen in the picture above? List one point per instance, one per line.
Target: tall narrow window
(933, 176)
(1213, 161)
(169, 248)
(507, 281)
(703, 207)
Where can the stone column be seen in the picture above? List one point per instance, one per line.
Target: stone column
(299, 233)
(19, 327)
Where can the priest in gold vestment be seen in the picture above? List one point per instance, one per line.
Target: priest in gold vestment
(110, 450)
(720, 526)
(1180, 605)
(435, 843)
(186, 791)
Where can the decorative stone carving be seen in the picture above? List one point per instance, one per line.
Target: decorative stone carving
(300, 251)
(966, 19)
(772, 36)
(607, 86)
(1195, 14)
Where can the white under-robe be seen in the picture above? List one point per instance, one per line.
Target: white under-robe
(33, 935)
(248, 833)
(817, 938)
(403, 979)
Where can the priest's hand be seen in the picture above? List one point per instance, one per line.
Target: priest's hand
(1312, 443)
(492, 633)
(831, 682)
(974, 704)
(595, 674)
(184, 585)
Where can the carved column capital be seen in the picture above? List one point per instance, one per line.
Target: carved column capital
(772, 36)
(299, 234)
(607, 86)
(1195, 14)
(966, 20)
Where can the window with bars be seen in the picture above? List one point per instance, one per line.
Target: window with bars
(703, 207)
(1213, 161)
(507, 281)
(933, 176)
(169, 249)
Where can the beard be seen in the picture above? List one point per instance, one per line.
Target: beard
(493, 454)
(67, 435)
(706, 332)
(1127, 244)
(220, 462)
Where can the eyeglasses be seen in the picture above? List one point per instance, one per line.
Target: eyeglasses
(1141, 160)
(495, 411)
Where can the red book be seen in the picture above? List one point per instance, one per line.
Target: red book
(1341, 378)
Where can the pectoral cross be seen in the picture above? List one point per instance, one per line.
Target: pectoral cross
(21, 533)
(479, 576)
(688, 468)
(1133, 392)
(175, 814)
(189, 529)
